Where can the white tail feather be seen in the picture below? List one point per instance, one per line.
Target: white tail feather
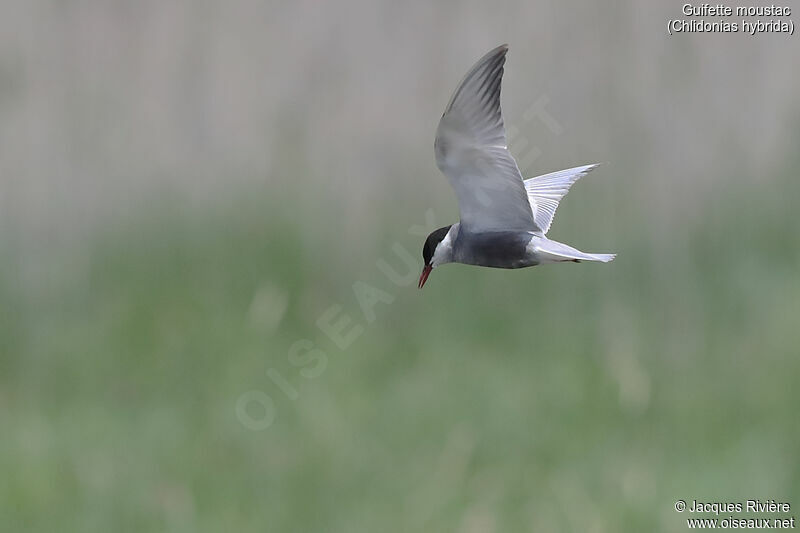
(603, 258)
(556, 252)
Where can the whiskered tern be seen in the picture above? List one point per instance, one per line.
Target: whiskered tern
(503, 218)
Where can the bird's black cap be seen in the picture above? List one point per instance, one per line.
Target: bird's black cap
(432, 242)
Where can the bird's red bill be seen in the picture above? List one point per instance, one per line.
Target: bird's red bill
(426, 271)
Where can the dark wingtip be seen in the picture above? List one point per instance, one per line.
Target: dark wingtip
(500, 50)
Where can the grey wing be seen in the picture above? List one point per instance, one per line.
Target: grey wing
(471, 151)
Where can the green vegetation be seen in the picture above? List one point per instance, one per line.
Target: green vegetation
(559, 398)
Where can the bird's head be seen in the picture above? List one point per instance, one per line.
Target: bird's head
(436, 251)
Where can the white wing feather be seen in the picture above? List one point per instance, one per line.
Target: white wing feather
(545, 192)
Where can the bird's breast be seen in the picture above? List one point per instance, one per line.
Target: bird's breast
(497, 249)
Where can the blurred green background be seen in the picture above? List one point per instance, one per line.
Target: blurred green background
(186, 187)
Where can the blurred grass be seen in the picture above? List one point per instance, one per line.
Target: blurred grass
(571, 398)
(574, 398)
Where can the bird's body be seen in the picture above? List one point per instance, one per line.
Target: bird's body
(513, 249)
(503, 218)
(496, 249)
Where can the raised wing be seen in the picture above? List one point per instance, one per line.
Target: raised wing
(544, 192)
(471, 151)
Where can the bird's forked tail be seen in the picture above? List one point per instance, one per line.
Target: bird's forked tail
(556, 252)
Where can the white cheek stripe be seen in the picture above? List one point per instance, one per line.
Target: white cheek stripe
(444, 250)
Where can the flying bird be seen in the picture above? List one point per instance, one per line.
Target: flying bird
(503, 218)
